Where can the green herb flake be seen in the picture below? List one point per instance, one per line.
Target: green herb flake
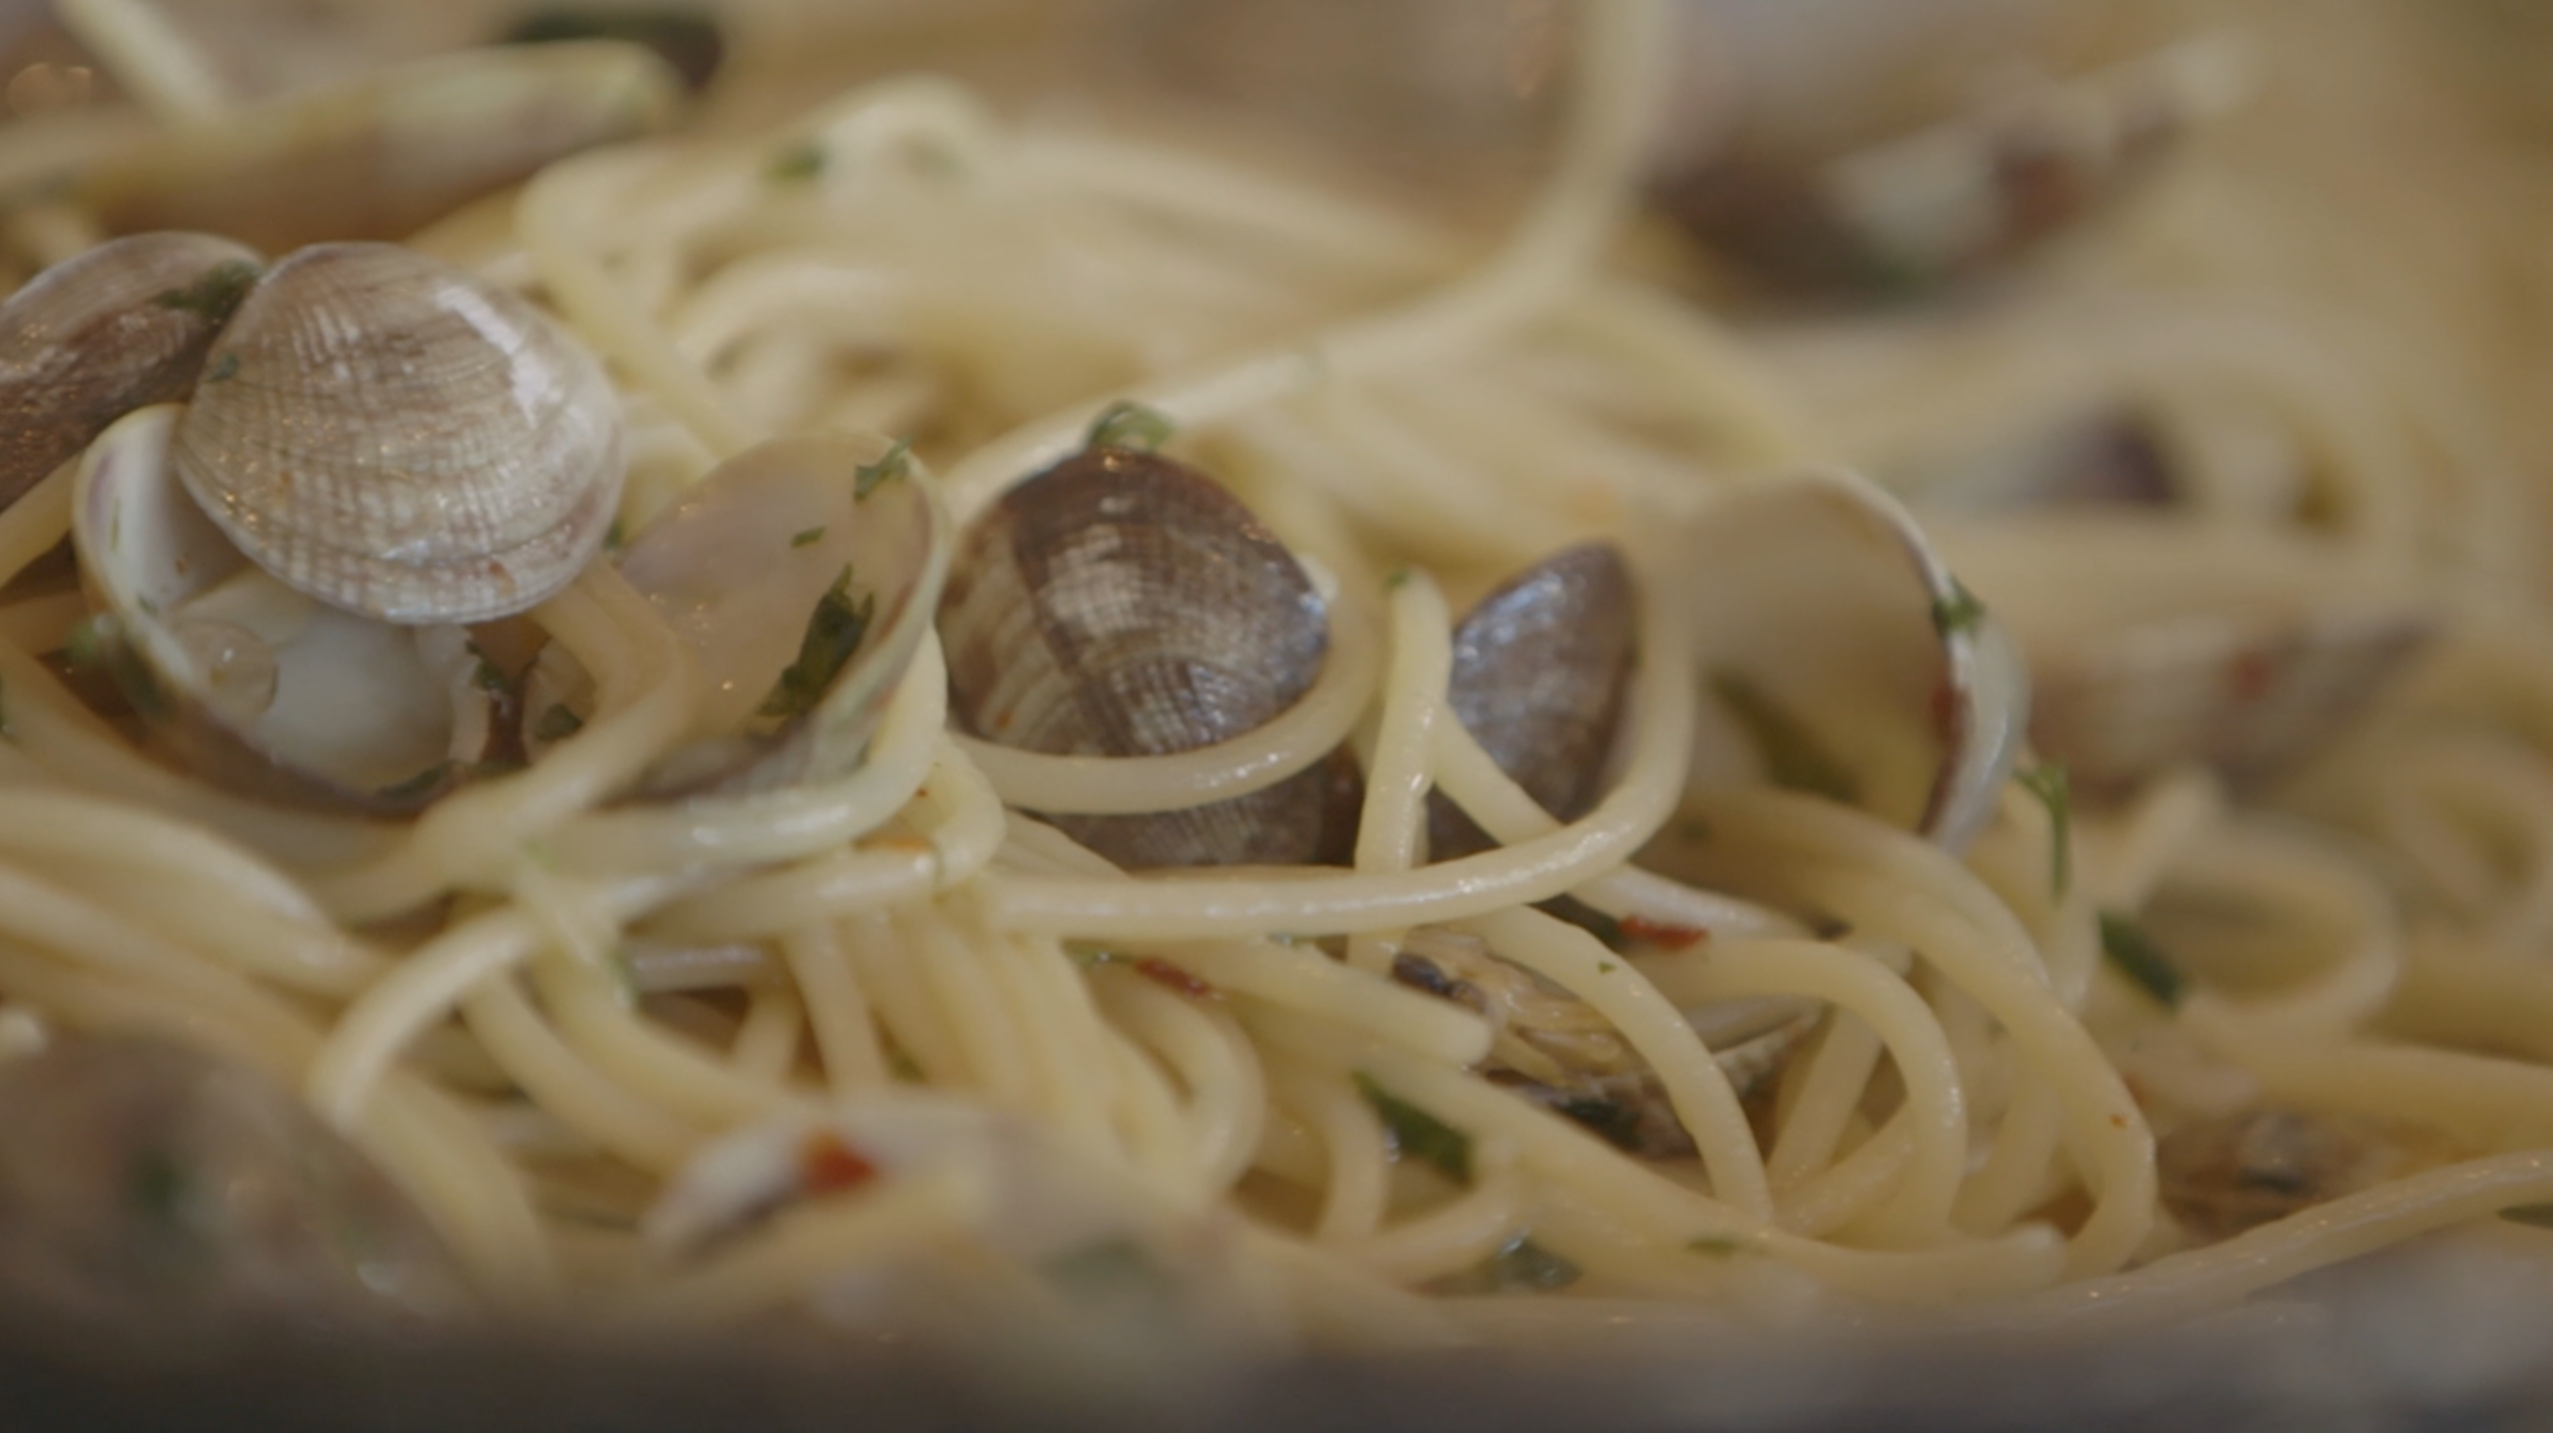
(808, 538)
(1089, 955)
(1717, 1246)
(1522, 1267)
(158, 1185)
(1418, 1134)
(616, 536)
(557, 724)
(90, 639)
(903, 1067)
(2538, 1215)
(833, 633)
(487, 676)
(2137, 957)
(224, 369)
(894, 463)
(214, 294)
(1606, 967)
(1792, 753)
(1958, 612)
(2048, 783)
(797, 163)
(1128, 424)
(417, 785)
(1398, 580)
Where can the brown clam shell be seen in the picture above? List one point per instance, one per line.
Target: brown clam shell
(1122, 604)
(398, 438)
(1541, 665)
(119, 327)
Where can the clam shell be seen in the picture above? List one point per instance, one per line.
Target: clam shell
(1121, 604)
(121, 326)
(381, 156)
(400, 439)
(739, 562)
(2158, 641)
(1539, 672)
(141, 1179)
(1823, 596)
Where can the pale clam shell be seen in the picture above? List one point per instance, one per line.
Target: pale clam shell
(1122, 604)
(2158, 640)
(401, 439)
(1824, 593)
(118, 327)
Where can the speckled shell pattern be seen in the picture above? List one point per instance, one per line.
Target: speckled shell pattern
(1540, 669)
(119, 327)
(1122, 604)
(397, 438)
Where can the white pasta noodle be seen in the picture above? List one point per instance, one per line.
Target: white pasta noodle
(1335, 1070)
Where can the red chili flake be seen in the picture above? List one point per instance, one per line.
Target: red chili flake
(1659, 933)
(828, 1166)
(1162, 972)
(2252, 675)
(1945, 714)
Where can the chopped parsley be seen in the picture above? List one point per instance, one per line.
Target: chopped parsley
(1792, 753)
(88, 643)
(894, 463)
(2047, 782)
(557, 724)
(807, 537)
(833, 633)
(1717, 1246)
(224, 369)
(2137, 957)
(1958, 612)
(1128, 424)
(797, 163)
(616, 536)
(418, 785)
(215, 293)
(1398, 580)
(1418, 1134)
(487, 676)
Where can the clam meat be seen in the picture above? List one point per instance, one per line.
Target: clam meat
(248, 682)
(1122, 604)
(94, 337)
(399, 439)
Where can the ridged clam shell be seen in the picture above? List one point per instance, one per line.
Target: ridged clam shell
(1540, 668)
(400, 439)
(1121, 604)
(116, 328)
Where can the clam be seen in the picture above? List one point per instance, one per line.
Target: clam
(1122, 604)
(141, 1178)
(95, 337)
(1539, 671)
(2156, 641)
(2223, 1175)
(803, 574)
(251, 683)
(1878, 148)
(399, 439)
(1847, 659)
(383, 155)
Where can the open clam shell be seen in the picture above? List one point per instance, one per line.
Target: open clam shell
(94, 337)
(803, 573)
(2157, 641)
(247, 682)
(401, 439)
(383, 155)
(1847, 657)
(1122, 604)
